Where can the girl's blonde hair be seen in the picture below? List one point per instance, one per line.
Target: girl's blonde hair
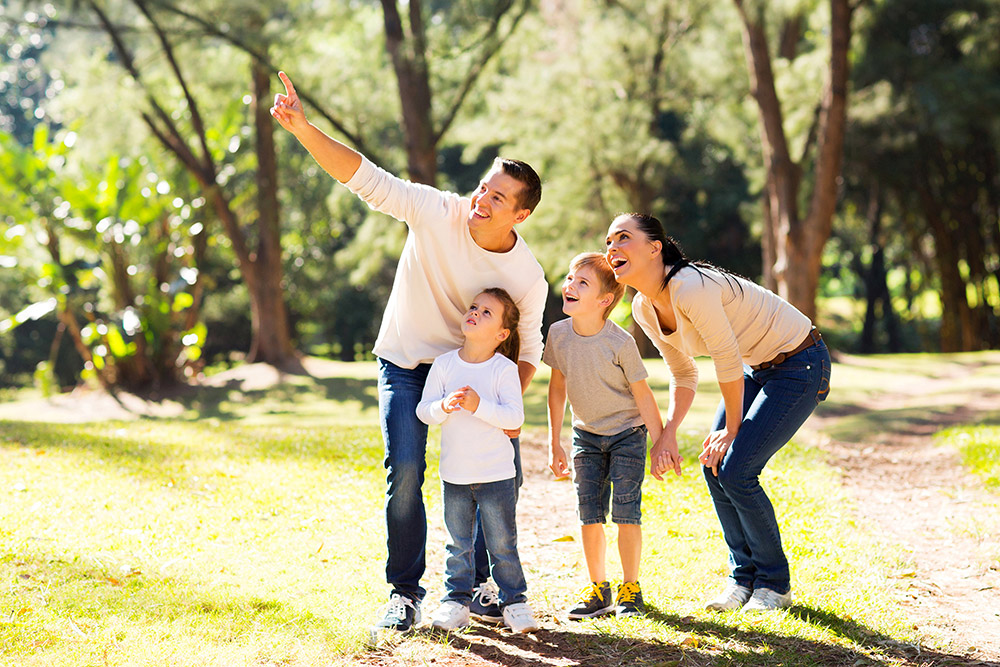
(509, 347)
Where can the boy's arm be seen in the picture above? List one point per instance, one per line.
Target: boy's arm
(648, 409)
(557, 413)
(665, 453)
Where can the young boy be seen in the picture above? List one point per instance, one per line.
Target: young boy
(597, 365)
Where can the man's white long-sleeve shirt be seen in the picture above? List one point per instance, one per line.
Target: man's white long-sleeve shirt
(442, 270)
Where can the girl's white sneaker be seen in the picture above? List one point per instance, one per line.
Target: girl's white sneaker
(519, 617)
(450, 616)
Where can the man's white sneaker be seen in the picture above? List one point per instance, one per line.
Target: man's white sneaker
(767, 599)
(450, 615)
(734, 597)
(519, 617)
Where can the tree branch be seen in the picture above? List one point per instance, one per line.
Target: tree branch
(213, 30)
(477, 68)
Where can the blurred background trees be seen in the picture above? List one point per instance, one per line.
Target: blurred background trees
(154, 221)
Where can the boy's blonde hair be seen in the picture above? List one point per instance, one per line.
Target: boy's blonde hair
(597, 263)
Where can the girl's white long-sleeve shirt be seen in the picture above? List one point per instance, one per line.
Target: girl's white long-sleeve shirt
(474, 448)
(442, 270)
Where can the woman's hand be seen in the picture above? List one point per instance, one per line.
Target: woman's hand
(714, 449)
(665, 456)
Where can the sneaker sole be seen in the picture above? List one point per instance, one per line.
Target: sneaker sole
(492, 620)
(600, 612)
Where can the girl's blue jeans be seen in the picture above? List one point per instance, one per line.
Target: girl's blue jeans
(776, 402)
(494, 504)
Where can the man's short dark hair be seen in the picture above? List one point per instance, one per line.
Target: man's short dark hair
(531, 190)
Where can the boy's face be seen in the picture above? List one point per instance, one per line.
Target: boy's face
(582, 293)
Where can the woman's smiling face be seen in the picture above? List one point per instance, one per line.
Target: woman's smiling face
(628, 249)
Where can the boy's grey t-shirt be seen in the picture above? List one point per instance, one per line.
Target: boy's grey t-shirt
(598, 372)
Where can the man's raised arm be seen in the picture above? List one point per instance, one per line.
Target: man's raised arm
(337, 159)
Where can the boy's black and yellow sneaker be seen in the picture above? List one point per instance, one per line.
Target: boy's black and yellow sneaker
(595, 600)
(629, 600)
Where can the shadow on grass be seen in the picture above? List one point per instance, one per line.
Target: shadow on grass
(922, 421)
(708, 642)
(229, 401)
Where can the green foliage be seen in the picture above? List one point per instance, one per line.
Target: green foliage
(113, 254)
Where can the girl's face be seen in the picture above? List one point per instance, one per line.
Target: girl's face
(483, 321)
(628, 250)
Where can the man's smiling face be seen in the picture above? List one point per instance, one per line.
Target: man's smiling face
(496, 204)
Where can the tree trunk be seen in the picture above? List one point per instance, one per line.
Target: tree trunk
(409, 60)
(272, 341)
(793, 264)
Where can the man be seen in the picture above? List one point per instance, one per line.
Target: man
(456, 247)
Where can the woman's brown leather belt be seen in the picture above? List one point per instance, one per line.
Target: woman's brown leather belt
(814, 337)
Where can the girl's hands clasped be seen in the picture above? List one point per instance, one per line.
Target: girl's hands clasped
(714, 449)
(465, 398)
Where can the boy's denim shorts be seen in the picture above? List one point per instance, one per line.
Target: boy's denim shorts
(606, 462)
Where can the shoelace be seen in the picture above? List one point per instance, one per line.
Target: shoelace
(627, 592)
(487, 595)
(590, 592)
(396, 607)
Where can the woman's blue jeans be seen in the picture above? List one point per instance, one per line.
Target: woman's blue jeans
(493, 504)
(405, 461)
(776, 402)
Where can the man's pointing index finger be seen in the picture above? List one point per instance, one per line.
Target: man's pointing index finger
(289, 88)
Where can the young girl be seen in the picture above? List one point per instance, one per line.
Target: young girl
(474, 393)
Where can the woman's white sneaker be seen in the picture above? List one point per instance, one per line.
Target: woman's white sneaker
(768, 599)
(519, 617)
(734, 597)
(450, 616)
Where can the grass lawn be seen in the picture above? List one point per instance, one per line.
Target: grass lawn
(249, 531)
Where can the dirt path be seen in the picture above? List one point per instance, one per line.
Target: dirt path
(917, 495)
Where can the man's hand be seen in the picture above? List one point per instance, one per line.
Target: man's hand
(287, 109)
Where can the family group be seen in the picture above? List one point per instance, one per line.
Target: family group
(461, 339)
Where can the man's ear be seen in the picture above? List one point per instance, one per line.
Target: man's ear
(521, 215)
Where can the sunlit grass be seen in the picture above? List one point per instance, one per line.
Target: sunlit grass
(980, 450)
(255, 535)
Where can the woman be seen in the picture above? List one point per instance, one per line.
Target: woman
(691, 309)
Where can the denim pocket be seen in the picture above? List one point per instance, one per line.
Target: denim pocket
(824, 383)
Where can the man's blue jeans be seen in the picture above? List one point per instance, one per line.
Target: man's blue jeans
(405, 438)
(776, 402)
(494, 504)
